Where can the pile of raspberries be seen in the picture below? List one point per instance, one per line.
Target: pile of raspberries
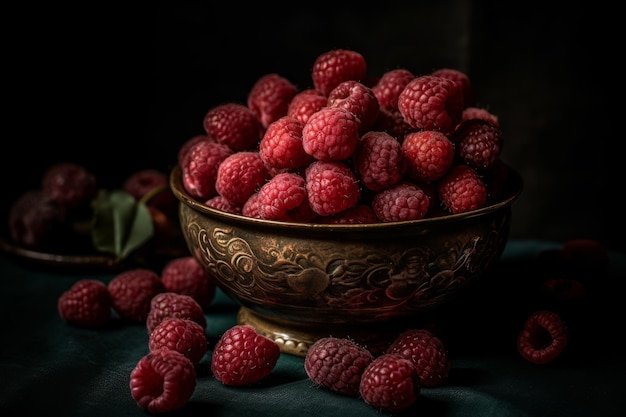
(349, 149)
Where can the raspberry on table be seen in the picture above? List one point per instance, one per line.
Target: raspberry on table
(36, 219)
(162, 381)
(462, 79)
(281, 145)
(305, 103)
(401, 202)
(221, 203)
(358, 99)
(132, 291)
(71, 184)
(333, 67)
(429, 155)
(379, 160)
(243, 357)
(390, 383)
(199, 168)
(389, 86)
(186, 275)
(269, 98)
(239, 175)
(86, 303)
(234, 125)
(427, 352)
(478, 142)
(173, 305)
(331, 134)
(543, 338)
(462, 189)
(182, 335)
(337, 364)
(331, 187)
(359, 214)
(279, 196)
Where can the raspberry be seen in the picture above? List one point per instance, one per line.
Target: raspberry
(359, 214)
(462, 79)
(432, 103)
(427, 352)
(281, 145)
(401, 202)
(162, 381)
(86, 303)
(188, 144)
(220, 203)
(200, 167)
(252, 208)
(331, 187)
(390, 383)
(71, 184)
(379, 160)
(358, 99)
(152, 187)
(269, 98)
(543, 338)
(240, 175)
(388, 88)
(186, 275)
(478, 143)
(305, 103)
(243, 357)
(282, 194)
(391, 121)
(429, 155)
(337, 364)
(172, 305)
(132, 291)
(462, 190)
(333, 67)
(36, 219)
(234, 125)
(182, 335)
(470, 113)
(331, 134)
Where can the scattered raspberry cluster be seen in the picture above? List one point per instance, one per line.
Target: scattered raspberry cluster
(406, 146)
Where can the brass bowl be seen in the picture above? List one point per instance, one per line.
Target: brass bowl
(298, 282)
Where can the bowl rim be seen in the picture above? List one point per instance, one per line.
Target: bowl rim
(513, 187)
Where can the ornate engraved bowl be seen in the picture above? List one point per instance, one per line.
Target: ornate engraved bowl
(298, 282)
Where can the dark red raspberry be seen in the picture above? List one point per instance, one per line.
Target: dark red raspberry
(470, 113)
(478, 143)
(390, 383)
(252, 208)
(305, 103)
(220, 203)
(462, 190)
(337, 364)
(172, 305)
(186, 275)
(379, 160)
(36, 220)
(432, 103)
(182, 335)
(401, 202)
(162, 381)
(199, 168)
(243, 357)
(281, 145)
(388, 88)
(282, 194)
(132, 291)
(429, 155)
(331, 134)
(460, 78)
(427, 352)
(188, 144)
(543, 338)
(153, 188)
(234, 125)
(392, 121)
(269, 98)
(240, 175)
(71, 184)
(359, 214)
(86, 303)
(358, 99)
(332, 187)
(333, 67)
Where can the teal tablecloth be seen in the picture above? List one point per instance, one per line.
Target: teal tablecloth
(50, 368)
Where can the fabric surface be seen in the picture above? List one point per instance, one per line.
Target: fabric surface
(49, 367)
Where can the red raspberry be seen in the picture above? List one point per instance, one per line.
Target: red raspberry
(188, 144)
(432, 103)
(269, 98)
(220, 203)
(200, 167)
(282, 194)
(281, 145)
(390, 383)
(243, 357)
(331, 187)
(470, 113)
(429, 155)
(252, 208)
(86, 303)
(182, 335)
(427, 352)
(333, 67)
(70, 184)
(234, 125)
(36, 219)
(331, 134)
(186, 275)
(357, 98)
(543, 338)
(162, 381)
(131, 292)
(305, 103)
(401, 202)
(392, 121)
(359, 214)
(462, 79)
(379, 160)
(390, 85)
(478, 143)
(153, 188)
(172, 305)
(462, 190)
(240, 175)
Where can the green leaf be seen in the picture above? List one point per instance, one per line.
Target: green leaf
(120, 223)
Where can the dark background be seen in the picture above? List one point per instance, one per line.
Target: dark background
(120, 90)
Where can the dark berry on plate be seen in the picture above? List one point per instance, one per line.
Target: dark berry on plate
(36, 219)
(71, 184)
